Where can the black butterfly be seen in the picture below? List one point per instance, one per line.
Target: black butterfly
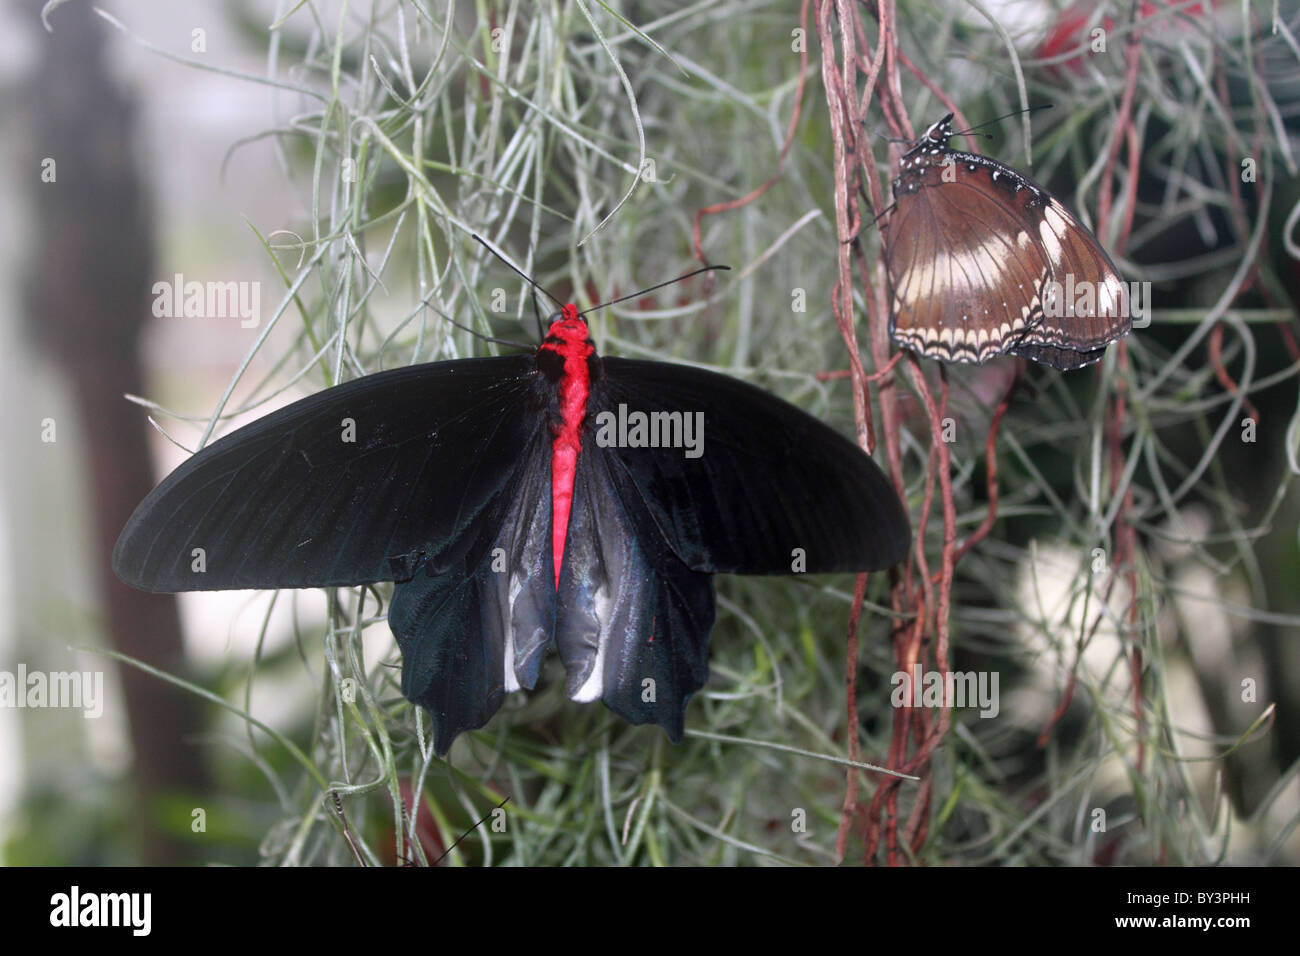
(517, 510)
(984, 261)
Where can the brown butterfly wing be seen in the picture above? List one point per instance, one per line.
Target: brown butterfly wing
(966, 274)
(983, 260)
(1078, 323)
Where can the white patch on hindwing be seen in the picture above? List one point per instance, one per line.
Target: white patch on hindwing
(511, 678)
(593, 688)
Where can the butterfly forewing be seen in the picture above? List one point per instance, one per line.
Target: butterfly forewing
(769, 490)
(967, 286)
(976, 255)
(341, 488)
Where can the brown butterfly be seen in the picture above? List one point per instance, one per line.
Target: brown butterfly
(983, 261)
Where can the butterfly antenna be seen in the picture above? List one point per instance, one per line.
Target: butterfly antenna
(526, 346)
(866, 200)
(537, 312)
(875, 131)
(1030, 109)
(476, 333)
(519, 272)
(470, 830)
(682, 278)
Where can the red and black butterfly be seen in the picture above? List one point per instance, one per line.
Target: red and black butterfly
(514, 514)
(978, 258)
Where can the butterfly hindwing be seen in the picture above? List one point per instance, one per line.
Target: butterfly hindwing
(477, 626)
(633, 621)
(1075, 330)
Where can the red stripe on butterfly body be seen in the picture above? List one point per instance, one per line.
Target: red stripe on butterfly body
(567, 338)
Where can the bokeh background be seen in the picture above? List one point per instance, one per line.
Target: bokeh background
(1137, 591)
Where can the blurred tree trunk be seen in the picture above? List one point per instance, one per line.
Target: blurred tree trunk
(88, 295)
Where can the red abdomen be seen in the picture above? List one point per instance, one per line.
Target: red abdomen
(567, 338)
